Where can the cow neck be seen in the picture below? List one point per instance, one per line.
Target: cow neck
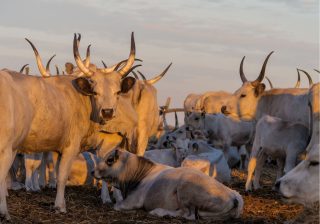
(133, 177)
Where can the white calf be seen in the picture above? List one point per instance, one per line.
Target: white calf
(282, 140)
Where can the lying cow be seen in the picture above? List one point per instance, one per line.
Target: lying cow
(162, 190)
(282, 140)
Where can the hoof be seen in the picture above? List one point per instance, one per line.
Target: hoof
(4, 217)
(60, 210)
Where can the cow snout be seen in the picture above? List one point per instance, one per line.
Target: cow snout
(107, 113)
(277, 185)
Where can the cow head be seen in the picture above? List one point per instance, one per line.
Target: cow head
(104, 85)
(196, 120)
(247, 96)
(180, 146)
(111, 165)
(301, 184)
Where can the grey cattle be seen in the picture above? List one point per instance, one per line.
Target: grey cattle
(301, 184)
(252, 101)
(162, 156)
(60, 113)
(282, 140)
(223, 131)
(163, 190)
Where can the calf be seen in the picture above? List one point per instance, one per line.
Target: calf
(223, 131)
(279, 139)
(163, 190)
(212, 163)
(162, 156)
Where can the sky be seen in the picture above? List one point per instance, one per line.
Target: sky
(204, 39)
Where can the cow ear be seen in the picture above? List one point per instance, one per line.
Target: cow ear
(127, 83)
(69, 67)
(84, 86)
(259, 89)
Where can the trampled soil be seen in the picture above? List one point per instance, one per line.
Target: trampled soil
(84, 206)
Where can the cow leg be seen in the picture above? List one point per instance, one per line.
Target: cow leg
(117, 194)
(28, 166)
(6, 159)
(251, 167)
(42, 172)
(164, 212)
(257, 173)
(51, 169)
(142, 140)
(68, 155)
(35, 180)
(105, 196)
(290, 161)
(280, 164)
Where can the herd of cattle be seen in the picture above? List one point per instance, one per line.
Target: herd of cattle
(94, 125)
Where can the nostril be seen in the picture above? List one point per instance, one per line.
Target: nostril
(277, 185)
(168, 138)
(107, 113)
(92, 173)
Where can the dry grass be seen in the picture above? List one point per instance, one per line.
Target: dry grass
(84, 206)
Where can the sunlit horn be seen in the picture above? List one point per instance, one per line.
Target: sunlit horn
(270, 83)
(130, 61)
(308, 76)
(298, 81)
(57, 70)
(263, 70)
(78, 60)
(22, 68)
(41, 68)
(158, 77)
(130, 70)
(242, 76)
(48, 64)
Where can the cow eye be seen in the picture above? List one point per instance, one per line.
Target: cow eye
(243, 95)
(314, 163)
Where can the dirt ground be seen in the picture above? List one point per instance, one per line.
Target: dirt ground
(84, 206)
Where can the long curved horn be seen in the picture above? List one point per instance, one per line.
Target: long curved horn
(263, 70)
(242, 76)
(142, 76)
(130, 70)
(176, 126)
(78, 60)
(87, 60)
(270, 83)
(48, 64)
(317, 70)
(165, 123)
(158, 77)
(308, 76)
(41, 68)
(130, 61)
(135, 75)
(57, 70)
(22, 68)
(104, 64)
(117, 66)
(298, 81)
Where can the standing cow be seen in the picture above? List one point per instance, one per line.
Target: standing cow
(57, 113)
